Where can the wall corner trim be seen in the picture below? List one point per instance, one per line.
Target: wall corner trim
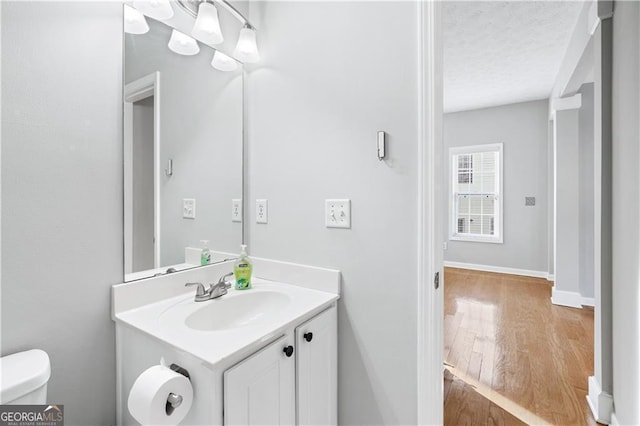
(551, 277)
(600, 403)
(497, 269)
(570, 299)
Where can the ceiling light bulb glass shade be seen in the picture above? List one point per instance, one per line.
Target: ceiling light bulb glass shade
(156, 9)
(183, 44)
(207, 26)
(247, 49)
(223, 62)
(134, 21)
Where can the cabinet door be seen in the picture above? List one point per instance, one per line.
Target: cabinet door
(317, 370)
(261, 389)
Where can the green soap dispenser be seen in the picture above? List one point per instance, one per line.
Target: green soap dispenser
(243, 270)
(205, 254)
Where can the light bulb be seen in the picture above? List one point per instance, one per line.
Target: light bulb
(134, 21)
(247, 49)
(223, 62)
(207, 26)
(183, 44)
(156, 9)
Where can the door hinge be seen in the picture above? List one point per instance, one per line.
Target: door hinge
(436, 280)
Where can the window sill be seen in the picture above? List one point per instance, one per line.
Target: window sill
(470, 239)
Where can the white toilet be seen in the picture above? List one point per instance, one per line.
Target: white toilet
(24, 377)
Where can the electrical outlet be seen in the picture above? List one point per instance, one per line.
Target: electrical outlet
(189, 208)
(338, 213)
(261, 211)
(236, 210)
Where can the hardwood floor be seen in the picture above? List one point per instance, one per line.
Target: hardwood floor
(511, 356)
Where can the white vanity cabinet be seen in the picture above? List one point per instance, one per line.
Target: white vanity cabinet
(316, 370)
(291, 381)
(260, 390)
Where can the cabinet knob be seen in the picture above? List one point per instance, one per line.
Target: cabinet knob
(288, 350)
(308, 336)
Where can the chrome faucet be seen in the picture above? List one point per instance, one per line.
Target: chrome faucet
(214, 291)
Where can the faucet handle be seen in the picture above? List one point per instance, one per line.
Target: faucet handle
(200, 291)
(223, 279)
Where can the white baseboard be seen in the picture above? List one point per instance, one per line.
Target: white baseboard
(551, 277)
(588, 301)
(498, 269)
(571, 299)
(566, 298)
(600, 403)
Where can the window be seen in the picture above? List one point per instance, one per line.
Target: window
(476, 193)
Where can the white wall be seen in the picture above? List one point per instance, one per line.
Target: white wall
(332, 75)
(201, 130)
(626, 211)
(586, 195)
(62, 194)
(523, 129)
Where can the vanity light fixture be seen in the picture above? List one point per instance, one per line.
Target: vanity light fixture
(223, 62)
(207, 26)
(134, 21)
(156, 9)
(182, 44)
(247, 48)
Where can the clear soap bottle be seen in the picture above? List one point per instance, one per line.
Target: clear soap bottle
(205, 254)
(242, 270)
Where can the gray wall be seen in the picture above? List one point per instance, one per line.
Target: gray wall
(523, 129)
(201, 130)
(62, 195)
(626, 211)
(567, 202)
(586, 192)
(332, 75)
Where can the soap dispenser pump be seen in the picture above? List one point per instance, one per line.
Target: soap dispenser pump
(205, 255)
(243, 270)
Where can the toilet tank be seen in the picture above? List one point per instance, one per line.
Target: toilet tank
(24, 377)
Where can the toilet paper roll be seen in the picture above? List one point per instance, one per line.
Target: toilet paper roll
(160, 396)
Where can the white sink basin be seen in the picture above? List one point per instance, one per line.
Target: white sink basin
(237, 310)
(234, 310)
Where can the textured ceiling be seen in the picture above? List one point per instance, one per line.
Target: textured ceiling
(497, 52)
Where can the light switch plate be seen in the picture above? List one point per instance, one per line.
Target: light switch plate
(236, 210)
(189, 208)
(338, 213)
(261, 211)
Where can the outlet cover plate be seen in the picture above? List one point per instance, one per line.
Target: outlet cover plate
(189, 208)
(236, 210)
(261, 211)
(338, 213)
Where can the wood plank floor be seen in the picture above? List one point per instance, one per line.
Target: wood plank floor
(512, 357)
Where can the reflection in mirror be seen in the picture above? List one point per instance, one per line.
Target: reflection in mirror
(183, 154)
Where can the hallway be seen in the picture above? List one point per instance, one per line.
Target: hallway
(511, 357)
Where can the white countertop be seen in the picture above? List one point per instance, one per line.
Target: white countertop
(163, 320)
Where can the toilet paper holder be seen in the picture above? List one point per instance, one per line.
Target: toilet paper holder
(173, 400)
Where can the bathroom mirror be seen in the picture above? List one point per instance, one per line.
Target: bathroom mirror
(182, 154)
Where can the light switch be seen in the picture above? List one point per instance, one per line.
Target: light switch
(236, 210)
(189, 208)
(338, 213)
(261, 211)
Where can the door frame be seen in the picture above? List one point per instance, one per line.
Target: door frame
(137, 90)
(430, 383)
